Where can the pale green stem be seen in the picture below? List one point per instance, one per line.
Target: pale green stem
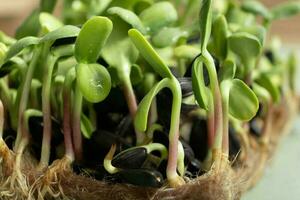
(174, 129)
(67, 90)
(132, 106)
(25, 89)
(5, 94)
(46, 108)
(217, 102)
(157, 147)
(77, 137)
(107, 161)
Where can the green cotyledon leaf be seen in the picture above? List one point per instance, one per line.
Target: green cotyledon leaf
(255, 7)
(186, 52)
(246, 46)
(30, 26)
(21, 44)
(205, 21)
(49, 23)
(94, 81)
(257, 30)
(199, 88)
(67, 31)
(86, 126)
(10, 65)
(149, 53)
(168, 36)
(286, 9)
(158, 15)
(262, 93)
(265, 81)
(227, 70)
(219, 32)
(92, 38)
(129, 17)
(243, 103)
(141, 117)
(136, 74)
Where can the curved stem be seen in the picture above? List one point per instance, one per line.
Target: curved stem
(152, 129)
(174, 132)
(67, 89)
(217, 102)
(130, 97)
(157, 147)
(34, 94)
(5, 94)
(25, 88)
(77, 138)
(107, 160)
(46, 108)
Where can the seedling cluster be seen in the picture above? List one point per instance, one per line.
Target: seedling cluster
(139, 92)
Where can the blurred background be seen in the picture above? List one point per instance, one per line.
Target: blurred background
(12, 12)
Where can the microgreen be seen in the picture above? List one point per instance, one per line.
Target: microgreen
(208, 98)
(93, 80)
(130, 17)
(219, 33)
(168, 81)
(248, 52)
(158, 15)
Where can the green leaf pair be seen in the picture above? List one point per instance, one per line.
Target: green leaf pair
(149, 53)
(159, 67)
(93, 79)
(168, 81)
(247, 47)
(242, 101)
(201, 92)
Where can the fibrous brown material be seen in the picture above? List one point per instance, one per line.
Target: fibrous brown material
(211, 186)
(226, 184)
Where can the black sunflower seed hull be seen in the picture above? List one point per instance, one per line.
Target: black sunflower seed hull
(130, 159)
